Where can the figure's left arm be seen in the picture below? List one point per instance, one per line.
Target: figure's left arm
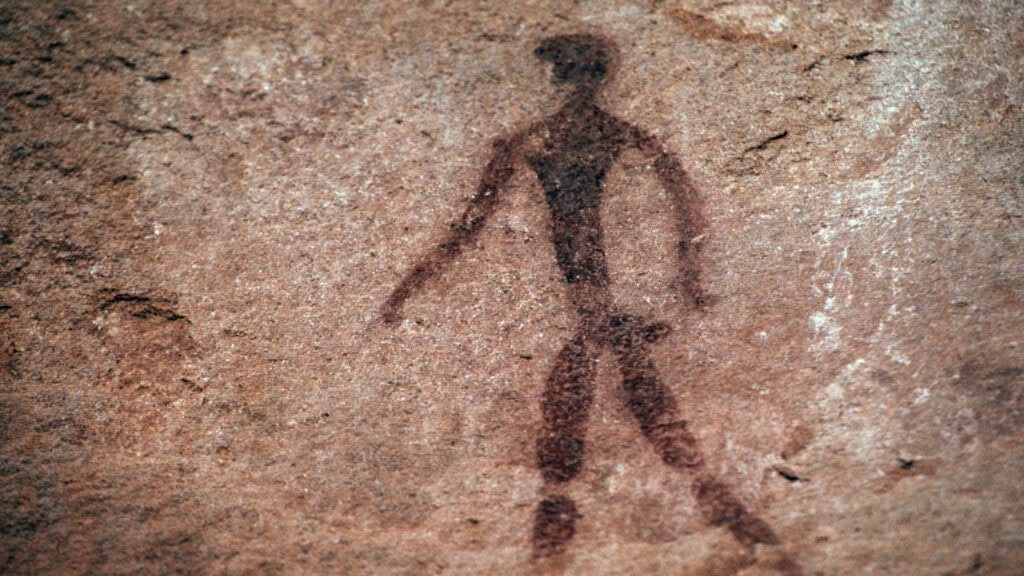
(688, 211)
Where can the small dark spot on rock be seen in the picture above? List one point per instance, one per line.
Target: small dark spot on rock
(764, 143)
(788, 473)
(976, 564)
(863, 56)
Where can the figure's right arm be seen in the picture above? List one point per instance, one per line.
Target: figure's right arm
(499, 170)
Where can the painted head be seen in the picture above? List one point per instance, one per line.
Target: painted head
(583, 60)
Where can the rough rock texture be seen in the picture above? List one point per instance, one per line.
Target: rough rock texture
(204, 207)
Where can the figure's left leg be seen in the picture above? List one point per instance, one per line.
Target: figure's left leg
(656, 412)
(651, 405)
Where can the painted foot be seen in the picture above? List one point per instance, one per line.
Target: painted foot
(554, 526)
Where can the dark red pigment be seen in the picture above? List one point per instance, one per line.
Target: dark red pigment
(571, 151)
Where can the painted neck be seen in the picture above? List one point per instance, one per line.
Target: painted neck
(584, 94)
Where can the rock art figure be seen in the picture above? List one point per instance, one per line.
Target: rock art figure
(571, 151)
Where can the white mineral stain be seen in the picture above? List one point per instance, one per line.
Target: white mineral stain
(823, 324)
(921, 395)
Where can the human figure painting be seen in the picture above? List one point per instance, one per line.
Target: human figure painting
(570, 152)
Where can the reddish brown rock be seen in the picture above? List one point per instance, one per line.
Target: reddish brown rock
(204, 208)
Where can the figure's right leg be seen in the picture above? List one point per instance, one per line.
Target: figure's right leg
(565, 404)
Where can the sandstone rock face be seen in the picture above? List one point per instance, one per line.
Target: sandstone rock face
(205, 206)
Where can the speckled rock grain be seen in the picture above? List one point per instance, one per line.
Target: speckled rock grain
(204, 206)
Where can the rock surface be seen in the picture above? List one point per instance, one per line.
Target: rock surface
(204, 207)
